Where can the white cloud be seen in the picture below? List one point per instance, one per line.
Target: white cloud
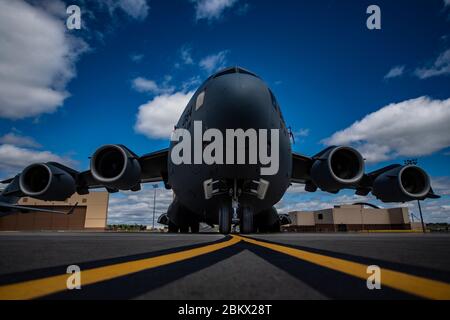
(137, 9)
(191, 83)
(308, 205)
(415, 127)
(157, 118)
(37, 59)
(395, 72)
(14, 159)
(54, 7)
(146, 85)
(446, 3)
(135, 57)
(441, 185)
(303, 132)
(441, 66)
(18, 140)
(214, 62)
(375, 152)
(296, 198)
(186, 56)
(212, 9)
(434, 211)
(137, 208)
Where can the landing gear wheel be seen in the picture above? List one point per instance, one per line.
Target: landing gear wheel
(247, 221)
(276, 227)
(225, 219)
(184, 229)
(195, 227)
(173, 228)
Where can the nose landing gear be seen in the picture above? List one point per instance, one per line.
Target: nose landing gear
(234, 214)
(246, 225)
(225, 218)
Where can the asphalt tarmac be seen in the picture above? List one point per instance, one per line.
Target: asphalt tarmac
(211, 266)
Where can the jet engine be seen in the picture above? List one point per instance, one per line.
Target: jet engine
(401, 184)
(336, 168)
(46, 182)
(116, 167)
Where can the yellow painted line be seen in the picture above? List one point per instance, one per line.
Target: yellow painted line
(41, 287)
(391, 231)
(418, 286)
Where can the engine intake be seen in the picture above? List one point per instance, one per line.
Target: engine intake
(337, 168)
(117, 167)
(401, 184)
(46, 182)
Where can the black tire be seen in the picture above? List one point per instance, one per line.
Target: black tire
(184, 229)
(225, 219)
(195, 227)
(172, 212)
(246, 225)
(173, 228)
(275, 228)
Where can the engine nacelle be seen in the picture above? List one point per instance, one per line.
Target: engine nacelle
(116, 167)
(337, 168)
(401, 184)
(46, 182)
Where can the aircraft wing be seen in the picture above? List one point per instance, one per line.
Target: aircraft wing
(4, 206)
(153, 169)
(301, 167)
(154, 166)
(337, 168)
(366, 184)
(121, 169)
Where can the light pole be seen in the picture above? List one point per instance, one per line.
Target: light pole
(421, 217)
(155, 186)
(362, 217)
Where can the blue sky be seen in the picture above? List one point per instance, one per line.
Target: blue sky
(124, 77)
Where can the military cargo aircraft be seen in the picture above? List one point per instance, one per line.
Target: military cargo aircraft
(240, 190)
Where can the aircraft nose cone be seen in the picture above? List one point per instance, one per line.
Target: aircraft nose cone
(237, 102)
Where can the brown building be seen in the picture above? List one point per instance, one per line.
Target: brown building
(349, 218)
(91, 213)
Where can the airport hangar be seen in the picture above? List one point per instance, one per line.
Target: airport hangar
(91, 213)
(355, 217)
